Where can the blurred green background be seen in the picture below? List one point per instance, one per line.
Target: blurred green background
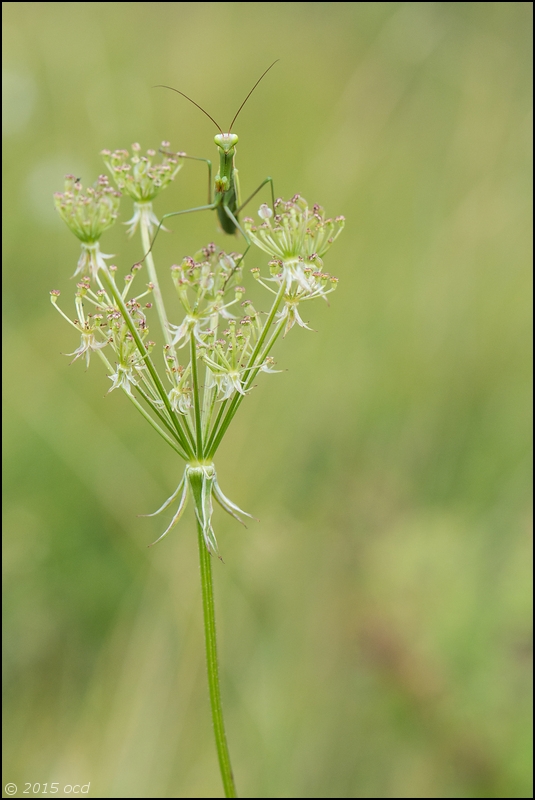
(375, 625)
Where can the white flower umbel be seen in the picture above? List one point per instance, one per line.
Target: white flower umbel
(217, 329)
(204, 288)
(227, 358)
(105, 328)
(296, 237)
(140, 176)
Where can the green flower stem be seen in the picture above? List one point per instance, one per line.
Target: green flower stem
(265, 352)
(156, 292)
(187, 427)
(212, 666)
(217, 435)
(158, 413)
(150, 366)
(147, 416)
(222, 407)
(196, 393)
(156, 427)
(238, 398)
(209, 401)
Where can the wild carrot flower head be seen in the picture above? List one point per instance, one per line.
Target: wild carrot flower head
(142, 177)
(91, 326)
(294, 231)
(88, 214)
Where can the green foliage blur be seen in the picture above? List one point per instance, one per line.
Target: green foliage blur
(375, 625)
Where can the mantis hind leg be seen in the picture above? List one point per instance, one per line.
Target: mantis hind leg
(209, 207)
(266, 180)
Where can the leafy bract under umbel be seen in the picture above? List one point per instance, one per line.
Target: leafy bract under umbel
(200, 483)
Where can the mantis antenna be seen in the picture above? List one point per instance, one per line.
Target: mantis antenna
(250, 93)
(162, 86)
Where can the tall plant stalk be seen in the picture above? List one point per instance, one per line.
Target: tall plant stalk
(212, 666)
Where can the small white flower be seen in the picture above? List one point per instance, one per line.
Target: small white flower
(291, 315)
(182, 331)
(267, 366)
(88, 345)
(230, 382)
(123, 378)
(180, 399)
(226, 379)
(296, 231)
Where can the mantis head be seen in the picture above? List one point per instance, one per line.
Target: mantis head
(226, 141)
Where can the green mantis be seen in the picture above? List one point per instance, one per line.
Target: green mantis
(224, 198)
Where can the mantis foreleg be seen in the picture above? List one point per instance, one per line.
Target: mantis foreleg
(209, 164)
(196, 158)
(267, 180)
(209, 207)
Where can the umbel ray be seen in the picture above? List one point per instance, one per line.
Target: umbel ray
(224, 195)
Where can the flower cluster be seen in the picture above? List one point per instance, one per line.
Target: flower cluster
(88, 214)
(296, 237)
(105, 325)
(142, 178)
(227, 358)
(208, 294)
(294, 231)
(206, 288)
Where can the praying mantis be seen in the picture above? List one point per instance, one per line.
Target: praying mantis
(225, 197)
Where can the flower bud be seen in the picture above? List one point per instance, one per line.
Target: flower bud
(264, 212)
